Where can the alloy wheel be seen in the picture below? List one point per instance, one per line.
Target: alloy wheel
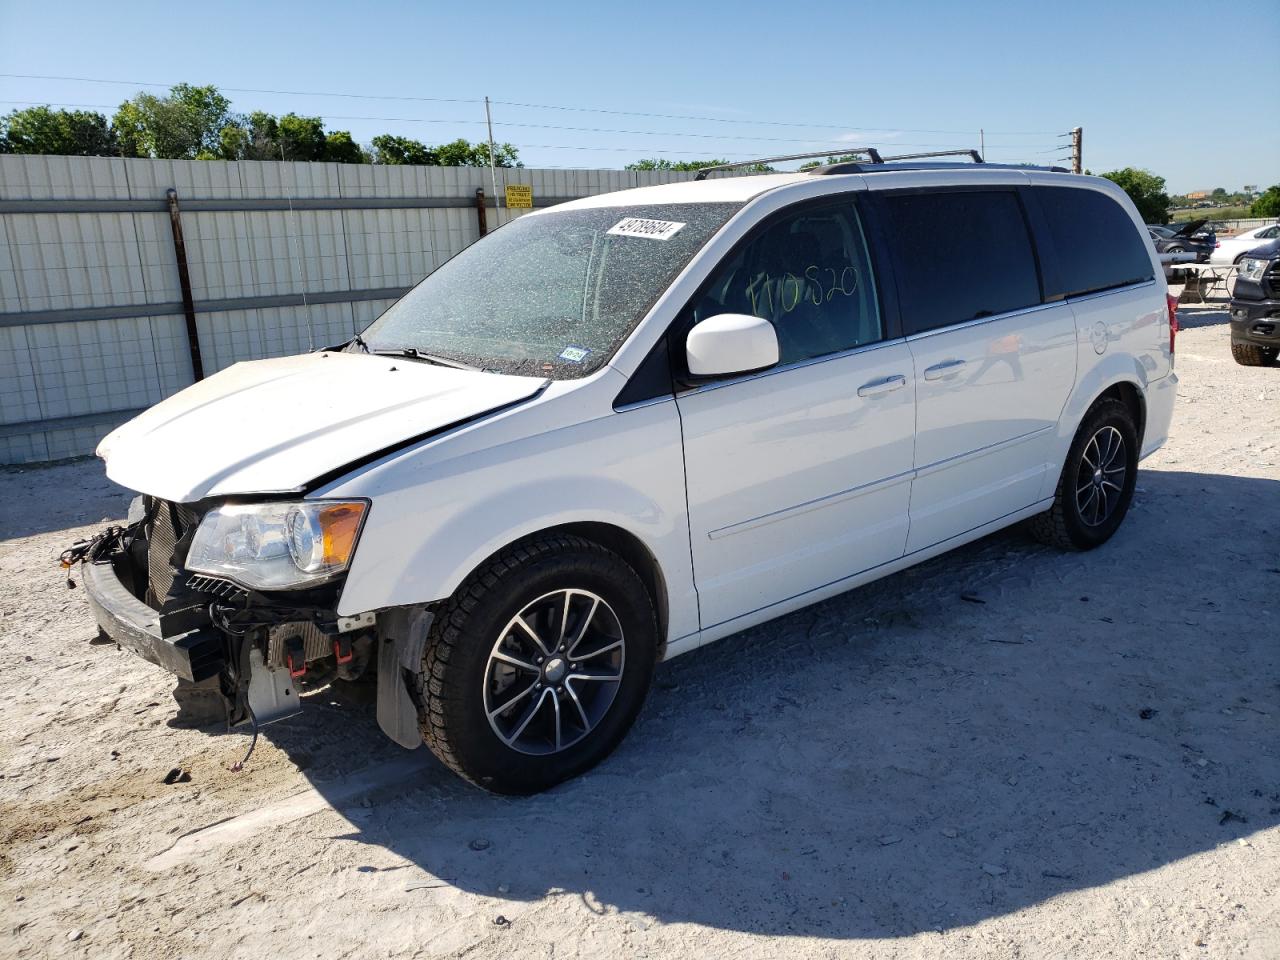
(1100, 481)
(554, 671)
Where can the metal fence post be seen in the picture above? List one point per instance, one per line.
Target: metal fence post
(184, 281)
(480, 214)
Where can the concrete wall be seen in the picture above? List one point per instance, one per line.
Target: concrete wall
(92, 327)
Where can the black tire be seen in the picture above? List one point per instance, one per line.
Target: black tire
(1064, 525)
(1252, 355)
(1176, 249)
(453, 681)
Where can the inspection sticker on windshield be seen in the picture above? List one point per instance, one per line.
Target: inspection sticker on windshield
(639, 227)
(574, 354)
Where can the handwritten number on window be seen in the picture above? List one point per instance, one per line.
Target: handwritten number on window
(791, 292)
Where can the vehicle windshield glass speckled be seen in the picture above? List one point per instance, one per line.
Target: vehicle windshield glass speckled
(551, 295)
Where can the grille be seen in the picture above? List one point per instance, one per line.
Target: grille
(1271, 280)
(170, 522)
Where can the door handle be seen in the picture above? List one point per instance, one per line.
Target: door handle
(883, 385)
(943, 371)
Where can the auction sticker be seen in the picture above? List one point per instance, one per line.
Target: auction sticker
(650, 229)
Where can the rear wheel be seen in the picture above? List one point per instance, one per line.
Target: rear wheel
(1252, 355)
(1097, 481)
(536, 668)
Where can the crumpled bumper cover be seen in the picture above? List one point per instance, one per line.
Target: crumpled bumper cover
(196, 655)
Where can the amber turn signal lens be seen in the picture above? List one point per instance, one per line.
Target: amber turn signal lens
(339, 525)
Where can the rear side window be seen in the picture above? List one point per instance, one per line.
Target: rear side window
(960, 256)
(1097, 245)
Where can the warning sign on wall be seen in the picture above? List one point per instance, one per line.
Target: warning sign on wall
(519, 195)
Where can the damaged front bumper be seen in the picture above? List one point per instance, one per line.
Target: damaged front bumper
(244, 651)
(196, 655)
(240, 654)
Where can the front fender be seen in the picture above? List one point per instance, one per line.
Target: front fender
(433, 520)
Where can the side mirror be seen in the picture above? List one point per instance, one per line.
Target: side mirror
(731, 343)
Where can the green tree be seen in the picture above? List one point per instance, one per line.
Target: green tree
(463, 153)
(845, 158)
(691, 165)
(1267, 205)
(301, 138)
(252, 137)
(184, 124)
(390, 149)
(1146, 190)
(71, 133)
(340, 148)
(1219, 192)
(664, 164)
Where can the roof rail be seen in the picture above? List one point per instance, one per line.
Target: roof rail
(854, 166)
(869, 151)
(875, 162)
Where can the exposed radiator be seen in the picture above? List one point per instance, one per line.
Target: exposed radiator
(314, 643)
(169, 522)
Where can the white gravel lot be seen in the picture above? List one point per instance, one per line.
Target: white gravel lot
(1080, 759)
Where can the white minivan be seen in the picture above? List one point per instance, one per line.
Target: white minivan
(623, 427)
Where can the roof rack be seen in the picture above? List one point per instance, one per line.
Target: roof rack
(876, 163)
(869, 151)
(854, 166)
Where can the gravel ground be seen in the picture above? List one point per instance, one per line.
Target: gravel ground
(1007, 751)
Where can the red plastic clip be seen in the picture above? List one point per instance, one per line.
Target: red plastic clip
(295, 657)
(342, 649)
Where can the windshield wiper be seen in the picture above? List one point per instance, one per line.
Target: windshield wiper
(413, 353)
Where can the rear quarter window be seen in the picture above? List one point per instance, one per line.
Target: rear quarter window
(1097, 245)
(960, 256)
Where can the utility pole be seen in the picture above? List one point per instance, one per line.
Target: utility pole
(493, 172)
(982, 144)
(1077, 154)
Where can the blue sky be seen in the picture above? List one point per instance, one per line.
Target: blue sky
(1184, 89)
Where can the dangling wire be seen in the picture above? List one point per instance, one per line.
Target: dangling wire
(238, 766)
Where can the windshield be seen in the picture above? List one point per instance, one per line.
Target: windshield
(553, 294)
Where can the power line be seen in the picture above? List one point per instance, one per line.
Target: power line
(771, 123)
(533, 106)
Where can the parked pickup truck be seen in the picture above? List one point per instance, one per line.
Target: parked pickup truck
(1255, 307)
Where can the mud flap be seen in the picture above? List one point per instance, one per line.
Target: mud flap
(400, 646)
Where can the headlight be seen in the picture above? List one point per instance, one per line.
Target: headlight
(277, 546)
(1252, 269)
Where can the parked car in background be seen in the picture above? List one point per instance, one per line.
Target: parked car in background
(1233, 249)
(623, 427)
(1190, 237)
(1255, 307)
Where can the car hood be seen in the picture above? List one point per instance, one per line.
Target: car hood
(1266, 250)
(273, 426)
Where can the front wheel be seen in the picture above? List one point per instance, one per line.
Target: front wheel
(1252, 355)
(1097, 481)
(536, 668)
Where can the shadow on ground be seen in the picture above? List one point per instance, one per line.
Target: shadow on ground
(988, 730)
